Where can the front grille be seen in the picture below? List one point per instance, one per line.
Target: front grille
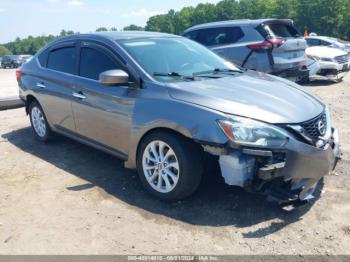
(310, 131)
(342, 59)
(311, 127)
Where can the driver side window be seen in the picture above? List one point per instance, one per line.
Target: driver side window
(93, 62)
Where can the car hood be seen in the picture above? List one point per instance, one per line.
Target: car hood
(251, 94)
(324, 52)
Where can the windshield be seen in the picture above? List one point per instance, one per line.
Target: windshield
(168, 58)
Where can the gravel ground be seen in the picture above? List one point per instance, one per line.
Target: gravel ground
(66, 198)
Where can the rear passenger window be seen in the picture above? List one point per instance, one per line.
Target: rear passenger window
(220, 35)
(282, 30)
(191, 35)
(312, 42)
(43, 58)
(93, 62)
(62, 59)
(324, 43)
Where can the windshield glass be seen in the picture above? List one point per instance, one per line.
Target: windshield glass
(166, 58)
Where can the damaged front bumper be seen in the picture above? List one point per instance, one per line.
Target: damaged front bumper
(288, 175)
(321, 70)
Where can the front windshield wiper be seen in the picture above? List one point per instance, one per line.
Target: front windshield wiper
(174, 74)
(217, 71)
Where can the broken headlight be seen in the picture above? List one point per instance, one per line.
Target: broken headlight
(250, 132)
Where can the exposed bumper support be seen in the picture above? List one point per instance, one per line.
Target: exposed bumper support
(321, 70)
(288, 175)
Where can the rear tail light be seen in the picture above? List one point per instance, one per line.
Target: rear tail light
(266, 45)
(277, 42)
(18, 74)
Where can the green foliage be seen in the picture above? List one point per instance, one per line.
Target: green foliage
(133, 27)
(101, 29)
(29, 45)
(161, 23)
(4, 51)
(324, 17)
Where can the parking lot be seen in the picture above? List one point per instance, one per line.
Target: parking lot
(66, 198)
(8, 87)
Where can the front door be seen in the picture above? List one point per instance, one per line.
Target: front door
(102, 113)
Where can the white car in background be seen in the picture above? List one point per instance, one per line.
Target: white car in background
(314, 40)
(326, 63)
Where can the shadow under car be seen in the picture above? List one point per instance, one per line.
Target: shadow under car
(213, 204)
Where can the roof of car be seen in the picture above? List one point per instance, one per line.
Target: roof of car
(254, 23)
(117, 35)
(322, 37)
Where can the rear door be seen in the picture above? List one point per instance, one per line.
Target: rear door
(54, 84)
(292, 47)
(103, 114)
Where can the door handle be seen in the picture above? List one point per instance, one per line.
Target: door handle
(40, 85)
(79, 95)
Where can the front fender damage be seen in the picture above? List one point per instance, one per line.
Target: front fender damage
(288, 176)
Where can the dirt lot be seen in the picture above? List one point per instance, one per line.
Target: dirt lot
(66, 198)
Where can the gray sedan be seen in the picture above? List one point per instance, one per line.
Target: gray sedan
(165, 105)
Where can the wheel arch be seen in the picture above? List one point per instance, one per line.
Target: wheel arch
(163, 130)
(138, 138)
(29, 99)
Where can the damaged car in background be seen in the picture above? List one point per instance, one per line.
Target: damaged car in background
(325, 63)
(164, 104)
(273, 46)
(315, 40)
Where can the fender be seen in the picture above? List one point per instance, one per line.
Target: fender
(201, 125)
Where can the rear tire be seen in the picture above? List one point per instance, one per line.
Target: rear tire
(38, 121)
(170, 166)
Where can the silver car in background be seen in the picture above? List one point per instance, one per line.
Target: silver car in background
(168, 106)
(267, 45)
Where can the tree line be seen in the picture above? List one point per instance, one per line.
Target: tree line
(324, 17)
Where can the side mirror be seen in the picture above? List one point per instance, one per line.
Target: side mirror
(114, 77)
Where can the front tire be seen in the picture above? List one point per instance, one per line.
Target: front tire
(38, 121)
(169, 165)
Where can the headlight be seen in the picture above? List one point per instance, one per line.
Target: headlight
(311, 57)
(326, 59)
(329, 124)
(250, 132)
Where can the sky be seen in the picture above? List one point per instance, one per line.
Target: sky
(21, 18)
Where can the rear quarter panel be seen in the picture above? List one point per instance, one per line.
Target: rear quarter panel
(55, 99)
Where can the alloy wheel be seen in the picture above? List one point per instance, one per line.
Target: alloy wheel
(160, 166)
(38, 121)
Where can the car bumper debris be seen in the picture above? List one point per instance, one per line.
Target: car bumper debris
(288, 176)
(320, 70)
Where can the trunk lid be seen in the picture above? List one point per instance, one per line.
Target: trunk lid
(292, 47)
